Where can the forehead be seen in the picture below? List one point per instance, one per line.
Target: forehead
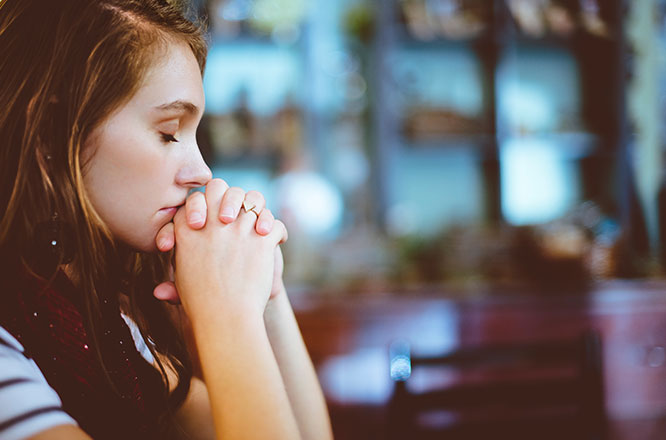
(173, 77)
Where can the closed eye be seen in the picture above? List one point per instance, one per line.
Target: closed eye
(168, 138)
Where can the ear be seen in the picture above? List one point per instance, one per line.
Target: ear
(43, 154)
(43, 150)
(44, 163)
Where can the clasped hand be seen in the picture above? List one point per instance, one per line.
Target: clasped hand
(223, 252)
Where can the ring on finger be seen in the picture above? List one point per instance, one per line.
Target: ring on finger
(250, 207)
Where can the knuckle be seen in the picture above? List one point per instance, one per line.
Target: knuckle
(216, 185)
(280, 227)
(191, 202)
(191, 198)
(235, 193)
(217, 181)
(196, 195)
(254, 194)
(199, 202)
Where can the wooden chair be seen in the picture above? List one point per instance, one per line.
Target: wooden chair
(550, 390)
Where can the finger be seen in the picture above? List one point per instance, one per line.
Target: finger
(215, 190)
(265, 222)
(165, 238)
(279, 232)
(195, 210)
(254, 204)
(167, 291)
(231, 204)
(278, 284)
(255, 201)
(179, 218)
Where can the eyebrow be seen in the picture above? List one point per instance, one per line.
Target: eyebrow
(179, 105)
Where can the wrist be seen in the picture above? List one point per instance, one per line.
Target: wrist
(223, 312)
(208, 328)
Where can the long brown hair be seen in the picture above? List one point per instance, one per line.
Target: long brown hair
(65, 66)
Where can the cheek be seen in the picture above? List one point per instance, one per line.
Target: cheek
(126, 181)
(126, 163)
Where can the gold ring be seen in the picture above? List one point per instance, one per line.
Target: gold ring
(250, 207)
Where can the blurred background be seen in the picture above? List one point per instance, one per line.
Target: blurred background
(454, 174)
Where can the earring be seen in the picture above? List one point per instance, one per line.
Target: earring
(51, 245)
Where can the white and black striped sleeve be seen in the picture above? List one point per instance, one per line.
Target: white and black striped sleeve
(28, 405)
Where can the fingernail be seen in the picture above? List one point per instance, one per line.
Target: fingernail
(196, 218)
(228, 212)
(263, 227)
(162, 243)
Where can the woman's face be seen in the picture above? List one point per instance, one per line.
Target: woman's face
(141, 162)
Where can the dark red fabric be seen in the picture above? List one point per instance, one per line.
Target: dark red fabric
(47, 319)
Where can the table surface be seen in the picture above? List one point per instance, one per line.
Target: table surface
(348, 336)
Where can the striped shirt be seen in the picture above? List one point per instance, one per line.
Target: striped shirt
(28, 404)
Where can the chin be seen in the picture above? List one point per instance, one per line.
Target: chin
(140, 236)
(142, 245)
(149, 249)
(149, 246)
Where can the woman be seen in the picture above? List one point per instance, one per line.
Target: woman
(101, 100)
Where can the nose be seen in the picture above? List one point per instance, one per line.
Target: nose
(194, 172)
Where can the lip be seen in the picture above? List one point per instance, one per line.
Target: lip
(169, 212)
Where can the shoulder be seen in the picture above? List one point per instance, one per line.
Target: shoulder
(28, 405)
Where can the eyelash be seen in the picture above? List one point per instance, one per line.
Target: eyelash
(168, 138)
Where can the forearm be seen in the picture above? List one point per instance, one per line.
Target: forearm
(303, 389)
(247, 394)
